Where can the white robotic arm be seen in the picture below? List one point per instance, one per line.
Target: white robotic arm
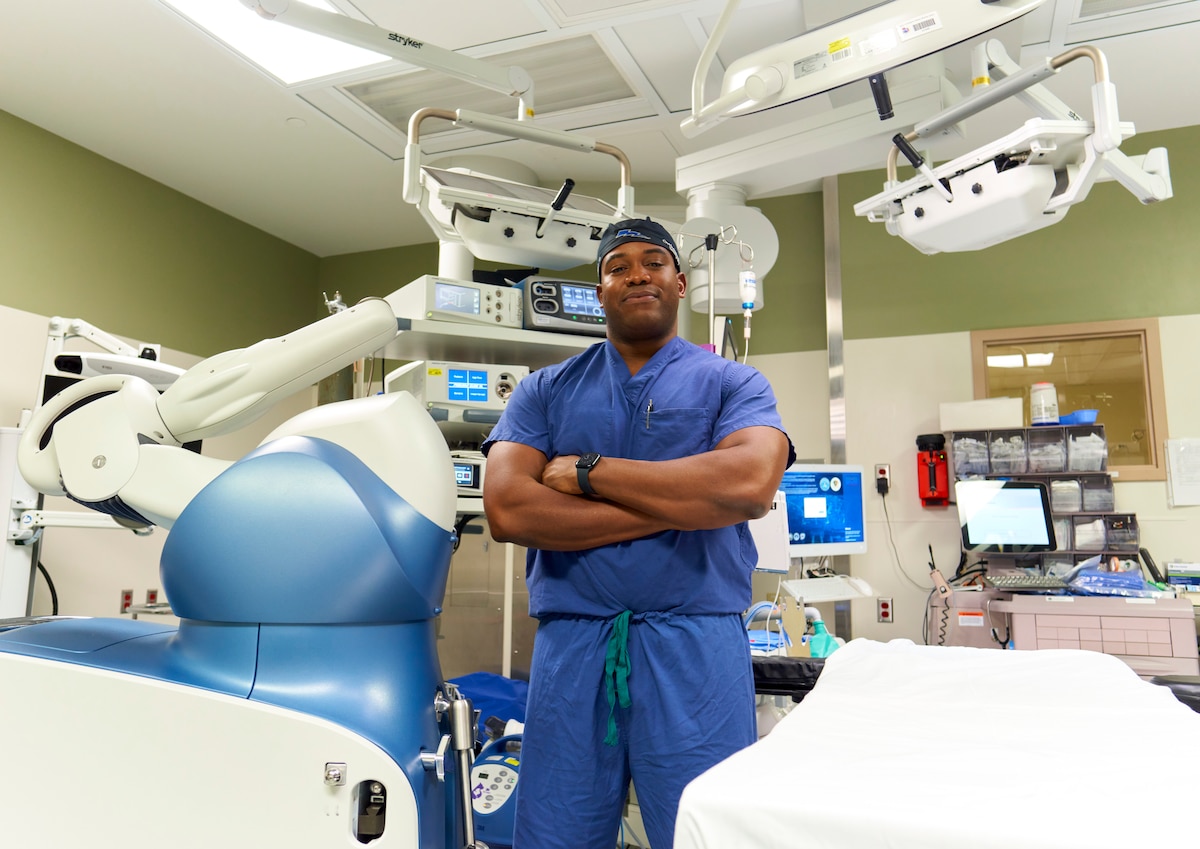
(114, 444)
(230, 390)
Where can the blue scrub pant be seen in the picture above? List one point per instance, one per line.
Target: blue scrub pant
(691, 705)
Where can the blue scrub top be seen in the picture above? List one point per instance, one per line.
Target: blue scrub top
(682, 402)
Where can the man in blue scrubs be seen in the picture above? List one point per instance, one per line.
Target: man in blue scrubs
(629, 471)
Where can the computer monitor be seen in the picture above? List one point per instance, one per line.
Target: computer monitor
(1004, 517)
(826, 510)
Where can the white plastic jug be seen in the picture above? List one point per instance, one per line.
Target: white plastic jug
(1043, 404)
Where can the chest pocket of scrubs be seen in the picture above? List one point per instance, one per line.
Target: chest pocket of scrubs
(668, 434)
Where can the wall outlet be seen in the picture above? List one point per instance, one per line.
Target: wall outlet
(883, 478)
(151, 597)
(883, 610)
(126, 600)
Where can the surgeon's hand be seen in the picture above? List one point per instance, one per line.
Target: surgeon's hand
(560, 475)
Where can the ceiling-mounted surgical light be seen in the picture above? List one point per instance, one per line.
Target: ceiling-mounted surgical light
(853, 48)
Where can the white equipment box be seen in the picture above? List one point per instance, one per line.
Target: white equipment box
(460, 301)
(465, 399)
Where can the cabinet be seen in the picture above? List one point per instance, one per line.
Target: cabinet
(1153, 636)
(1072, 461)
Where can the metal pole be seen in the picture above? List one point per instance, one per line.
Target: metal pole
(710, 243)
(506, 634)
(837, 372)
(833, 321)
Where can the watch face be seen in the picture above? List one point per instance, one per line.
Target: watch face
(586, 461)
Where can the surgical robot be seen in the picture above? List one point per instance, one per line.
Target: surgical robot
(299, 700)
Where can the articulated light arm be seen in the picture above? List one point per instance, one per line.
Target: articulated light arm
(1024, 83)
(704, 115)
(513, 129)
(513, 81)
(1147, 177)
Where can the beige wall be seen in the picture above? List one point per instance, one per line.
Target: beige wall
(893, 389)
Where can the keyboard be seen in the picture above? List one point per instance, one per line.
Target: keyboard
(1024, 582)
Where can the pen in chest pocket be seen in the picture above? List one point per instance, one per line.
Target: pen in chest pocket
(649, 410)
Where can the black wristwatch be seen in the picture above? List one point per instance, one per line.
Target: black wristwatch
(583, 465)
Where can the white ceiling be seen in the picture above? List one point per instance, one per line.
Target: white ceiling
(134, 82)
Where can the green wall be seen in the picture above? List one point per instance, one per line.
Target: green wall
(84, 237)
(376, 273)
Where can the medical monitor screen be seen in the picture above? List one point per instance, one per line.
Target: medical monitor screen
(1004, 517)
(580, 300)
(466, 474)
(463, 299)
(825, 510)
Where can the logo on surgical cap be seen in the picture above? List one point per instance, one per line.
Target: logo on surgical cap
(649, 231)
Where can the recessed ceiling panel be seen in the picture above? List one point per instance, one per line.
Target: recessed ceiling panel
(1101, 19)
(769, 24)
(576, 11)
(668, 67)
(1099, 8)
(569, 75)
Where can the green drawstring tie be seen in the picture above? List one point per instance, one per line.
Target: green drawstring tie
(616, 672)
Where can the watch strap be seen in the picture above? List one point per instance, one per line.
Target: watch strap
(582, 470)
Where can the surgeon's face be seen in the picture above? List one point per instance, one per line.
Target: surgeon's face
(640, 290)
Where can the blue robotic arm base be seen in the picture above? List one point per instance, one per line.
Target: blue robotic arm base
(300, 531)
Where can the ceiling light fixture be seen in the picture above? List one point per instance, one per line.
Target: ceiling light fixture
(290, 55)
(1005, 361)
(1020, 360)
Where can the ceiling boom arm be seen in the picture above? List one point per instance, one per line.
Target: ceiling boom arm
(513, 81)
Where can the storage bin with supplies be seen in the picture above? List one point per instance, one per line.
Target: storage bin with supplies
(1006, 452)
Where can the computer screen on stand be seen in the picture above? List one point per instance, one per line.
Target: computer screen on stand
(1004, 518)
(825, 509)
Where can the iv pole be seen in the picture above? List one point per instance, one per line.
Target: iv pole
(710, 241)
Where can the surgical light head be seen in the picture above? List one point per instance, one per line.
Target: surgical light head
(1023, 181)
(855, 47)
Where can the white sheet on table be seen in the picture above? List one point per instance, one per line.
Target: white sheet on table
(920, 747)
